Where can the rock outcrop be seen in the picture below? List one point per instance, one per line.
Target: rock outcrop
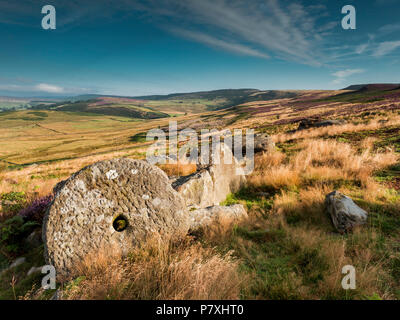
(206, 216)
(213, 183)
(312, 123)
(118, 202)
(344, 212)
(262, 143)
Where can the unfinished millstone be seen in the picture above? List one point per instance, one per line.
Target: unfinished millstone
(344, 212)
(120, 202)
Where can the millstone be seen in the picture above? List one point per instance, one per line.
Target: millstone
(118, 202)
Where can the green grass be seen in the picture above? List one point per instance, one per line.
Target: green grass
(386, 137)
(282, 266)
(23, 283)
(139, 137)
(389, 174)
(39, 114)
(5, 105)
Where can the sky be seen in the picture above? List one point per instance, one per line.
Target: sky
(138, 47)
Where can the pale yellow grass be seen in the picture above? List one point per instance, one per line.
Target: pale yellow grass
(159, 270)
(35, 178)
(334, 130)
(178, 169)
(320, 160)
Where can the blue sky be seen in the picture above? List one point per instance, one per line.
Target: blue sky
(137, 47)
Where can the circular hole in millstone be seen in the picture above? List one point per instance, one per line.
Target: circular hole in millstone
(120, 223)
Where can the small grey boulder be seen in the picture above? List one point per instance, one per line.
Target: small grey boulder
(344, 212)
(17, 262)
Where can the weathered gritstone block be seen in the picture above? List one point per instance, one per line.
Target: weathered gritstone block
(212, 184)
(207, 216)
(118, 202)
(262, 143)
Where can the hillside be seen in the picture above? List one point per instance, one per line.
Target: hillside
(11, 103)
(161, 106)
(130, 108)
(230, 96)
(367, 93)
(287, 248)
(376, 86)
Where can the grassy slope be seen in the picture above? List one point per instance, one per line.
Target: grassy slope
(150, 107)
(48, 135)
(367, 94)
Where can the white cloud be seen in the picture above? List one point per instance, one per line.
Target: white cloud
(342, 75)
(225, 45)
(49, 88)
(21, 86)
(385, 48)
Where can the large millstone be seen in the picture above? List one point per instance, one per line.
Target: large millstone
(118, 202)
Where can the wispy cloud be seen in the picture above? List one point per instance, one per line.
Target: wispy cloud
(292, 31)
(342, 75)
(49, 88)
(375, 46)
(361, 48)
(385, 48)
(21, 86)
(261, 28)
(225, 45)
(389, 28)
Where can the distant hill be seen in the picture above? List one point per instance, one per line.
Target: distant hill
(367, 93)
(12, 103)
(160, 106)
(232, 96)
(369, 87)
(123, 107)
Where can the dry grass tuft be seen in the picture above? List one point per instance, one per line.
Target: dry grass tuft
(334, 130)
(159, 271)
(320, 160)
(178, 169)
